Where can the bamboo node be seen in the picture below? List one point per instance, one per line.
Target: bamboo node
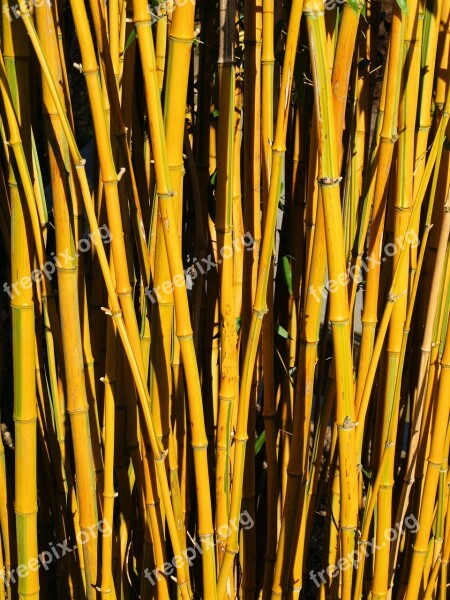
(260, 312)
(329, 181)
(393, 298)
(348, 424)
(313, 12)
(419, 551)
(162, 456)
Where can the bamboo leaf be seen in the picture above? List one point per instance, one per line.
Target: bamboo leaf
(354, 5)
(282, 332)
(259, 442)
(403, 4)
(287, 273)
(131, 38)
(366, 473)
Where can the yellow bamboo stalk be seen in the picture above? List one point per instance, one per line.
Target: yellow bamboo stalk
(224, 229)
(290, 539)
(392, 296)
(420, 390)
(388, 137)
(16, 50)
(426, 88)
(107, 584)
(116, 313)
(339, 317)
(77, 404)
(341, 68)
(259, 307)
(402, 211)
(438, 455)
(183, 322)
(269, 409)
(5, 504)
(251, 214)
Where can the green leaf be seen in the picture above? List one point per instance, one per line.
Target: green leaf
(287, 273)
(215, 113)
(131, 38)
(283, 332)
(238, 324)
(366, 473)
(259, 442)
(403, 5)
(213, 178)
(354, 5)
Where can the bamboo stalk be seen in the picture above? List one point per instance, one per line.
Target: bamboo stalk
(437, 457)
(339, 317)
(183, 324)
(259, 307)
